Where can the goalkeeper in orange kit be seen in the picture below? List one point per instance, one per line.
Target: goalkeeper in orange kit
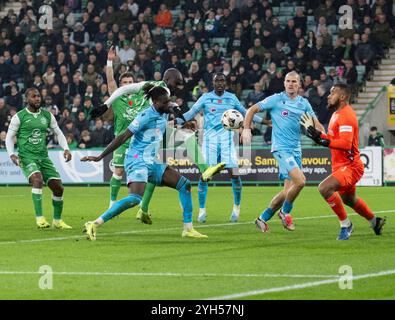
(347, 167)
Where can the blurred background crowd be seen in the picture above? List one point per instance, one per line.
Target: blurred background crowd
(253, 42)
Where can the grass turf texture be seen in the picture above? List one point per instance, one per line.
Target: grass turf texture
(130, 260)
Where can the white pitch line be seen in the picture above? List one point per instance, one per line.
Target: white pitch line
(167, 229)
(172, 274)
(299, 286)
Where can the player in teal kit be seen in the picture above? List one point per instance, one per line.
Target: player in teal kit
(141, 164)
(172, 80)
(286, 109)
(218, 145)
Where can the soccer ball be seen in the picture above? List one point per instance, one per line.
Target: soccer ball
(232, 119)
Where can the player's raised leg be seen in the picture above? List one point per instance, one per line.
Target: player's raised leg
(136, 191)
(195, 153)
(173, 179)
(55, 184)
(328, 189)
(350, 199)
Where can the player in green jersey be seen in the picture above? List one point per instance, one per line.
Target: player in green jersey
(125, 111)
(30, 126)
(172, 80)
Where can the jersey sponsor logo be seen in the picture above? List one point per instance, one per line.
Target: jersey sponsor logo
(285, 113)
(35, 138)
(345, 129)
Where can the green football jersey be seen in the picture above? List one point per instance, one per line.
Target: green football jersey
(127, 107)
(32, 133)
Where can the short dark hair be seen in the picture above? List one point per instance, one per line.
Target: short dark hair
(126, 74)
(154, 92)
(30, 90)
(373, 129)
(345, 88)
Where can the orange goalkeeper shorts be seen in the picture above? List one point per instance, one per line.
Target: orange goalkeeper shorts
(348, 176)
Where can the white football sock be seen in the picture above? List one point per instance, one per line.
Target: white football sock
(345, 223)
(188, 226)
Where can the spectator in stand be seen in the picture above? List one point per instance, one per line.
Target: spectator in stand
(375, 138)
(14, 99)
(79, 36)
(326, 10)
(70, 129)
(99, 135)
(85, 140)
(4, 114)
(315, 70)
(276, 84)
(382, 32)
(72, 143)
(235, 85)
(323, 113)
(164, 18)
(350, 75)
(3, 134)
(255, 96)
(365, 52)
(126, 53)
(81, 123)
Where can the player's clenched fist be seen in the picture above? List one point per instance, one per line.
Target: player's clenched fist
(91, 158)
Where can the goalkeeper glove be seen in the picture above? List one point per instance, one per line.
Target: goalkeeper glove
(315, 135)
(98, 111)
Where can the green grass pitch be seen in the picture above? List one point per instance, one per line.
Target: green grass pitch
(131, 260)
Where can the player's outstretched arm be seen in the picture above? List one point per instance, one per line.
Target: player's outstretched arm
(126, 89)
(115, 144)
(246, 136)
(257, 119)
(111, 83)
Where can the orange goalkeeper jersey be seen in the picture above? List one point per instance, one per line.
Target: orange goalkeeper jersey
(343, 136)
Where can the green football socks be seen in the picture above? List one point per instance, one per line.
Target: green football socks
(115, 185)
(37, 196)
(195, 152)
(149, 190)
(57, 203)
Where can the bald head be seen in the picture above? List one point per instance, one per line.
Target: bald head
(292, 83)
(173, 79)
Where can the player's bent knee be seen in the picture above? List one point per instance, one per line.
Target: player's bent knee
(184, 184)
(36, 180)
(134, 199)
(325, 190)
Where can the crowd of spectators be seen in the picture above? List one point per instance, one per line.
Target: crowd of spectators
(67, 63)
